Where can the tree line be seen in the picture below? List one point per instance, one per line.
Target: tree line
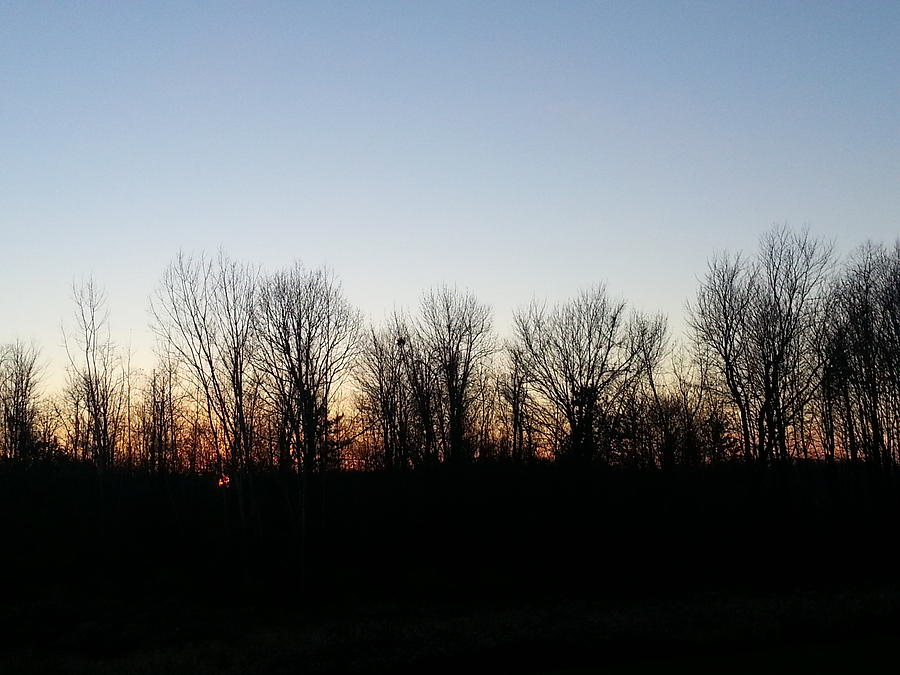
(791, 353)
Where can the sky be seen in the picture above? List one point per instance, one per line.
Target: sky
(517, 149)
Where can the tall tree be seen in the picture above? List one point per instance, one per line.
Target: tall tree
(578, 357)
(204, 313)
(159, 419)
(761, 321)
(20, 437)
(308, 339)
(385, 396)
(720, 319)
(861, 348)
(95, 375)
(517, 402)
(454, 331)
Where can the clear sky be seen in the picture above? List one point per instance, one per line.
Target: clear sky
(517, 149)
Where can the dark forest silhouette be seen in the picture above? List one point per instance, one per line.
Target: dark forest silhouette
(284, 455)
(790, 354)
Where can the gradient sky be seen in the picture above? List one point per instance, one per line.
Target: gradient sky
(516, 149)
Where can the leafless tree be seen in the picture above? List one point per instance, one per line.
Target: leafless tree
(204, 313)
(424, 385)
(485, 412)
(720, 320)
(578, 357)
(861, 377)
(308, 337)
(517, 417)
(159, 419)
(20, 437)
(385, 396)
(454, 332)
(788, 320)
(646, 432)
(701, 421)
(95, 375)
(761, 321)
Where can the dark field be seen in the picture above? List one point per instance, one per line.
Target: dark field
(501, 568)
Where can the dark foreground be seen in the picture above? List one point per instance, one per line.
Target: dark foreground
(499, 568)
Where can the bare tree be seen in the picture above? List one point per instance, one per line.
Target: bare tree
(788, 319)
(424, 387)
(761, 321)
(701, 421)
(95, 375)
(385, 395)
(485, 411)
(514, 393)
(454, 332)
(720, 320)
(20, 437)
(650, 440)
(861, 349)
(205, 314)
(68, 415)
(578, 357)
(308, 337)
(159, 419)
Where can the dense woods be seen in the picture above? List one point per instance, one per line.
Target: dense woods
(791, 353)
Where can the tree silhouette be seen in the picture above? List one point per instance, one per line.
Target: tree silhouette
(20, 438)
(761, 321)
(455, 334)
(308, 340)
(204, 313)
(861, 345)
(578, 356)
(95, 376)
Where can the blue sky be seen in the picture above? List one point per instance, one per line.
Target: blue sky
(517, 149)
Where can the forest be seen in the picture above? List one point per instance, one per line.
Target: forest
(285, 466)
(791, 354)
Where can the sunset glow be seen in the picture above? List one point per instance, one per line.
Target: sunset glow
(424, 337)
